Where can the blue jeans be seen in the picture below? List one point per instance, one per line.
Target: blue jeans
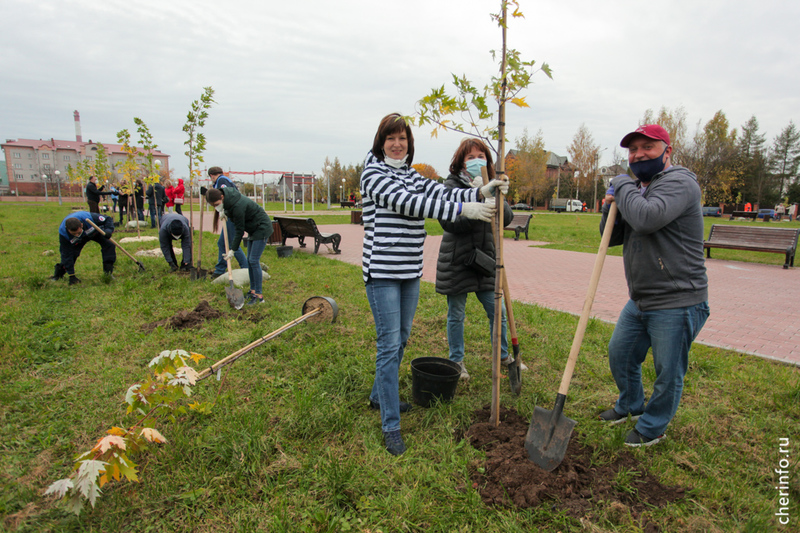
(222, 265)
(456, 305)
(670, 332)
(152, 215)
(254, 251)
(393, 303)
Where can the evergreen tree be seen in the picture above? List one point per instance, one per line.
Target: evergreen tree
(785, 157)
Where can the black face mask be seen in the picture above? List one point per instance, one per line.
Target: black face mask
(647, 170)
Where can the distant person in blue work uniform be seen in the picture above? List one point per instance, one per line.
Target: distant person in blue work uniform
(175, 227)
(221, 181)
(660, 227)
(73, 234)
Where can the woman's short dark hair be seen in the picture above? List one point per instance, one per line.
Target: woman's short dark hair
(213, 171)
(466, 146)
(393, 123)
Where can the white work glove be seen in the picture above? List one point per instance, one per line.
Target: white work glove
(228, 255)
(477, 182)
(223, 217)
(488, 190)
(478, 211)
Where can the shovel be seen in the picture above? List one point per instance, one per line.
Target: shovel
(235, 296)
(197, 272)
(103, 233)
(548, 435)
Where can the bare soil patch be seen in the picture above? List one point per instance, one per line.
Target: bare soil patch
(579, 486)
(186, 319)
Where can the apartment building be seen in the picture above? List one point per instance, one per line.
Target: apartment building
(31, 163)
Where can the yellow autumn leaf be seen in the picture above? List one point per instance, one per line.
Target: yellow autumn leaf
(152, 435)
(108, 442)
(197, 357)
(117, 431)
(519, 102)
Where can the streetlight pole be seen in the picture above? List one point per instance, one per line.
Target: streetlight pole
(58, 181)
(342, 195)
(328, 179)
(44, 179)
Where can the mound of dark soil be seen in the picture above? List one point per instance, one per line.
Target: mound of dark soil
(576, 486)
(186, 319)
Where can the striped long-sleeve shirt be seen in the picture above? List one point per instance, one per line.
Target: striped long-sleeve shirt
(396, 203)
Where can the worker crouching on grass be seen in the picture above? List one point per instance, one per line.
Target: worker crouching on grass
(175, 227)
(73, 234)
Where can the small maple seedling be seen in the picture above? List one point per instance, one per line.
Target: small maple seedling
(160, 395)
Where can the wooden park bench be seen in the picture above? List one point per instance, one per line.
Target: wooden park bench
(519, 224)
(300, 228)
(744, 214)
(348, 203)
(753, 238)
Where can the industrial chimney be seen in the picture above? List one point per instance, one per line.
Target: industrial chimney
(78, 126)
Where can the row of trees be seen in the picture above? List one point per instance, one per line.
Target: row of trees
(732, 166)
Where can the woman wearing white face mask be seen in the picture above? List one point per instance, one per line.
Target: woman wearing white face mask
(396, 202)
(247, 216)
(466, 255)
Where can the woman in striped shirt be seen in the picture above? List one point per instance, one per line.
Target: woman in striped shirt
(396, 202)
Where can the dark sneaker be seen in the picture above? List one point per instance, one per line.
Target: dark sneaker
(394, 442)
(404, 407)
(464, 374)
(254, 300)
(636, 439)
(614, 417)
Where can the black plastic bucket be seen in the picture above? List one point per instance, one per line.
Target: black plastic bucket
(284, 251)
(433, 378)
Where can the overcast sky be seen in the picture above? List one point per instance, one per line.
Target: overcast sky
(298, 81)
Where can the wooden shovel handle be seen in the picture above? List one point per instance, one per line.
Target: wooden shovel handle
(227, 249)
(587, 305)
(118, 245)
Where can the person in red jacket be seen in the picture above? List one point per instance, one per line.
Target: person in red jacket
(169, 190)
(177, 196)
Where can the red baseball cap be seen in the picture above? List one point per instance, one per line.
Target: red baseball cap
(653, 131)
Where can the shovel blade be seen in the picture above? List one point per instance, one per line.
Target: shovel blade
(548, 437)
(235, 296)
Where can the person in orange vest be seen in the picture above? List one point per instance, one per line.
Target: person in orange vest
(748, 207)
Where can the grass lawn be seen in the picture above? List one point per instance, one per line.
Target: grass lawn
(291, 445)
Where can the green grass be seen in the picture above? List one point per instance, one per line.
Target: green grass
(291, 444)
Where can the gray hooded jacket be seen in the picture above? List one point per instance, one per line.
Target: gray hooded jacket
(662, 236)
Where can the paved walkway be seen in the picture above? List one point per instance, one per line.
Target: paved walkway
(749, 302)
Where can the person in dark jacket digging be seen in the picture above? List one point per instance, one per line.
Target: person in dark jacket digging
(175, 227)
(221, 181)
(462, 240)
(247, 216)
(73, 234)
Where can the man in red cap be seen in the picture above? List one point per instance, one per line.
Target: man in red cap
(660, 227)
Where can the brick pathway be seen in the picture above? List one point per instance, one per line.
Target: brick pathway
(750, 303)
